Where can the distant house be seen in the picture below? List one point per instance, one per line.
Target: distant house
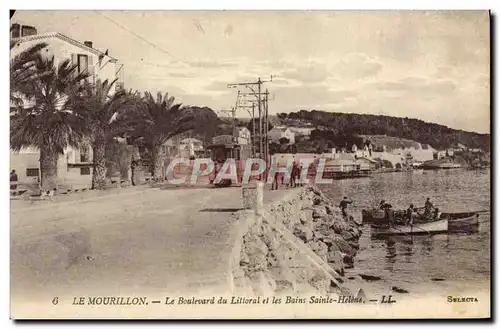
(242, 135)
(223, 139)
(362, 153)
(172, 147)
(459, 147)
(341, 166)
(190, 146)
(367, 164)
(302, 131)
(340, 156)
(278, 133)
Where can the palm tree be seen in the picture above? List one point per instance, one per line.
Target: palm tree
(101, 107)
(158, 120)
(22, 70)
(47, 118)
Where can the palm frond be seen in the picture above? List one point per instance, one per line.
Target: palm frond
(50, 116)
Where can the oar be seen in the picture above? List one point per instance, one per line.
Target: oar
(402, 231)
(423, 229)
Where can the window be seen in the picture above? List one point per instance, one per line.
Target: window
(85, 154)
(83, 63)
(32, 172)
(27, 30)
(85, 171)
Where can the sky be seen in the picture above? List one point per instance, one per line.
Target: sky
(433, 66)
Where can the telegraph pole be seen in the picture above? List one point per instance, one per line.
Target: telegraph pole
(256, 90)
(253, 130)
(266, 128)
(260, 119)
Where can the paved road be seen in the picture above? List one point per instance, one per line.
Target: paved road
(134, 243)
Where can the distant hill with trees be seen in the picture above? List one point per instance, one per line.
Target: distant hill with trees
(339, 129)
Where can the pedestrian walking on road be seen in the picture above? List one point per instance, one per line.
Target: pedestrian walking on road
(295, 174)
(275, 184)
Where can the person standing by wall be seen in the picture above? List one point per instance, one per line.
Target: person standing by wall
(13, 180)
(343, 206)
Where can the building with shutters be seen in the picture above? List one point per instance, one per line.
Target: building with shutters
(278, 133)
(99, 64)
(75, 165)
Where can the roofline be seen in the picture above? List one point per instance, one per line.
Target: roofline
(64, 38)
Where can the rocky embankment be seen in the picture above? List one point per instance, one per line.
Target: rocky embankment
(274, 257)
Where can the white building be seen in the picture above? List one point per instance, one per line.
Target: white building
(304, 132)
(189, 147)
(278, 133)
(242, 135)
(75, 165)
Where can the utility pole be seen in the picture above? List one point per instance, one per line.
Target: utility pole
(266, 128)
(260, 120)
(253, 130)
(257, 92)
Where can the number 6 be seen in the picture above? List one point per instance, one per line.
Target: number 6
(55, 300)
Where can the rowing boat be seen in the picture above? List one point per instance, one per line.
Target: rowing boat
(378, 216)
(461, 220)
(456, 219)
(372, 216)
(439, 226)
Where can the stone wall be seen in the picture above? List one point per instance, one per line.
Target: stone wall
(268, 260)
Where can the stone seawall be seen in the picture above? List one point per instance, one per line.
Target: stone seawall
(299, 245)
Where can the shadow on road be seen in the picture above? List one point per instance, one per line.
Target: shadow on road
(183, 187)
(221, 209)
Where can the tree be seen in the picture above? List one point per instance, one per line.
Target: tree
(23, 70)
(47, 119)
(101, 107)
(119, 159)
(159, 119)
(282, 116)
(284, 140)
(255, 121)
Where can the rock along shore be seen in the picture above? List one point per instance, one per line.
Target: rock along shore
(289, 249)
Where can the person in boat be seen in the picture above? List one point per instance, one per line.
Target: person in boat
(437, 214)
(410, 215)
(428, 208)
(343, 206)
(382, 205)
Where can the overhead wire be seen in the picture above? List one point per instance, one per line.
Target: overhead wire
(140, 37)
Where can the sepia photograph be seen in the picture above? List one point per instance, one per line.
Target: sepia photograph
(250, 164)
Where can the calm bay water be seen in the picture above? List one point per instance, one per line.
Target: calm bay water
(441, 263)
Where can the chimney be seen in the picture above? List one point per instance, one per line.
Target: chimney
(88, 43)
(15, 30)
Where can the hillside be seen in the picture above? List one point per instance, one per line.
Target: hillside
(347, 126)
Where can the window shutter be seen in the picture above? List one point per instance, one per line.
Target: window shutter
(91, 68)
(74, 61)
(77, 156)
